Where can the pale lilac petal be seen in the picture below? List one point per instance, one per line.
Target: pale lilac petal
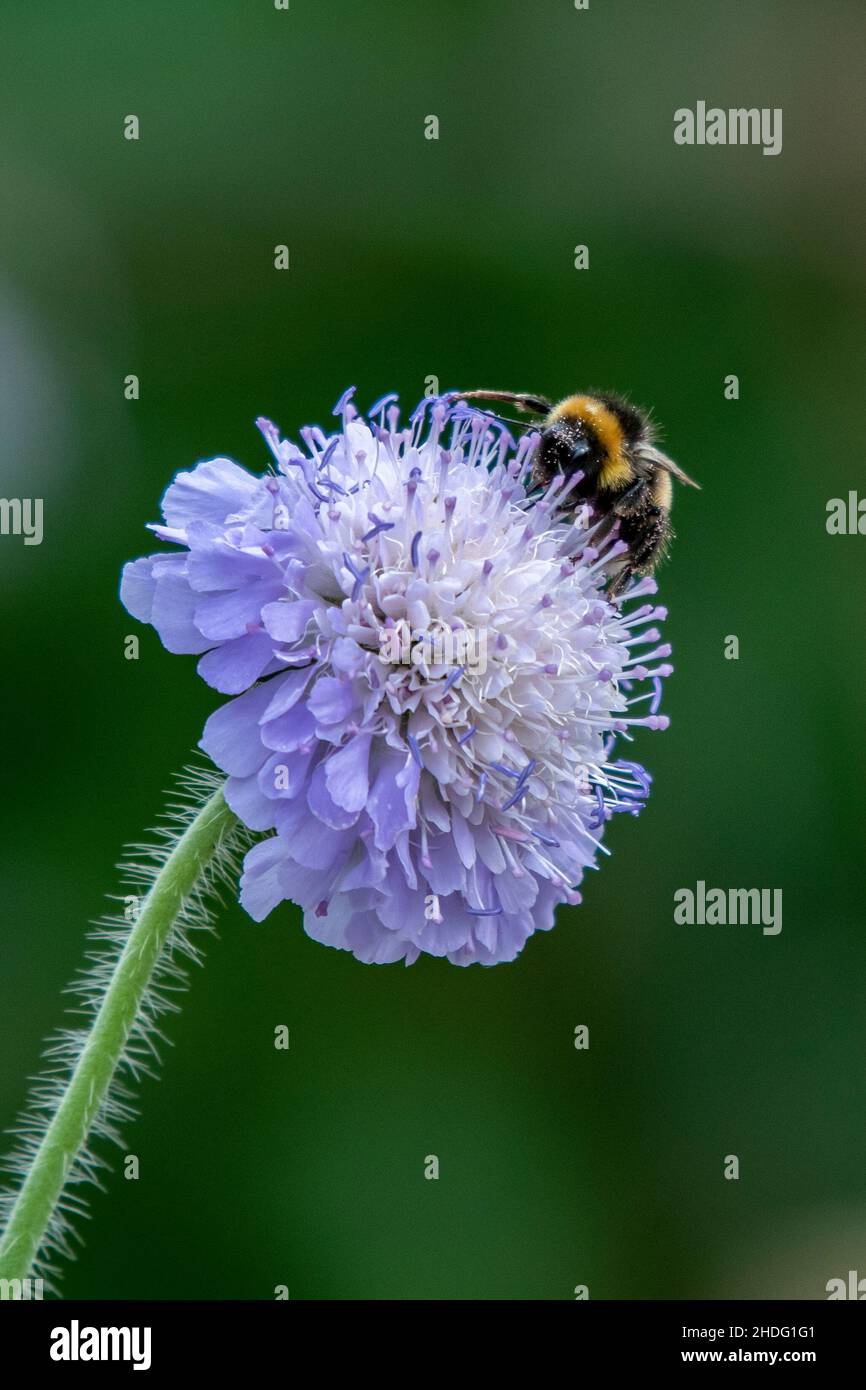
(445, 874)
(285, 776)
(317, 846)
(244, 797)
(455, 929)
(323, 805)
(234, 666)
(346, 773)
(289, 731)
(231, 735)
(223, 616)
(388, 807)
(261, 888)
(172, 615)
(221, 567)
(137, 588)
(331, 700)
(464, 839)
(211, 492)
(286, 622)
(287, 690)
(365, 938)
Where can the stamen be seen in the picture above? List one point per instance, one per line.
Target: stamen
(360, 576)
(383, 401)
(520, 792)
(378, 526)
(547, 840)
(344, 400)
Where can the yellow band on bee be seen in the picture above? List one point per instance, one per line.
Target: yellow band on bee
(615, 469)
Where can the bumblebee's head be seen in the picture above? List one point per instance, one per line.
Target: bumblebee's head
(592, 434)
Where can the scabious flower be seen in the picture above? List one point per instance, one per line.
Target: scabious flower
(420, 805)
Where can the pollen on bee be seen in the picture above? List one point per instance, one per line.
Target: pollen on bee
(606, 428)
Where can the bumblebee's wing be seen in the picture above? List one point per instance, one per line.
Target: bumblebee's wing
(648, 453)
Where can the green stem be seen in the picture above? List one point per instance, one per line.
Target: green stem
(88, 1085)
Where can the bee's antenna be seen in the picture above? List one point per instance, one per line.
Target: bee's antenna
(508, 420)
(537, 405)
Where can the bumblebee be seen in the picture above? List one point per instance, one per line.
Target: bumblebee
(625, 478)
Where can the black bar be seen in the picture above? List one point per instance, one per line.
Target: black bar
(226, 1336)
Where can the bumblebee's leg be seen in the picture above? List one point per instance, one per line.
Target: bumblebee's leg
(629, 510)
(647, 534)
(619, 581)
(521, 399)
(646, 529)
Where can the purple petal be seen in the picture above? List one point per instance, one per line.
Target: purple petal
(211, 492)
(446, 874)
(329, 927)
(261, 889)
(347, 656)
(391, 806)
(287, 690)
(464, 839)
(284, 777)
(317, 846)
(221, 566)
(323, 806)
(366, 870)
(517, 894)
(223, 616)
(369, 943)
(246, 800)
(289, 731)
(306, 887)
(401, 909)
(172, 615)
(346, 773)
(287, 622)
(137, 588)
(331, 700)
(451, 933)
(231, 736)
(234, 666)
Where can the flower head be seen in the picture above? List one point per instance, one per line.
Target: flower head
(429, 678)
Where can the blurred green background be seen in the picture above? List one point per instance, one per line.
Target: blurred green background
(454, 257)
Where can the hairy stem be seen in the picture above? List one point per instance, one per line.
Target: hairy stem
(115, 1019)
